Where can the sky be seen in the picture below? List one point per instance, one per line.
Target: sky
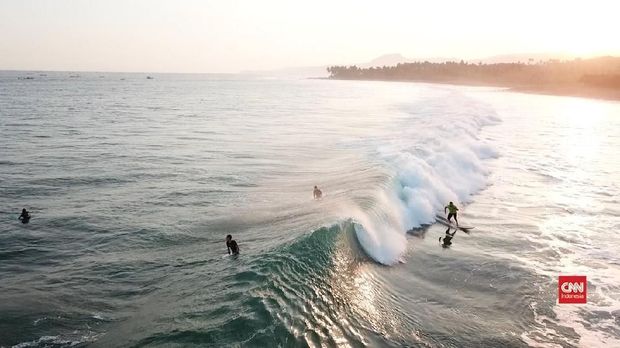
(236, 35)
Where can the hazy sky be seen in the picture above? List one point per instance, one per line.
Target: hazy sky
(228, 35)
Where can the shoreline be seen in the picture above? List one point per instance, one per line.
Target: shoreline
(566, 90)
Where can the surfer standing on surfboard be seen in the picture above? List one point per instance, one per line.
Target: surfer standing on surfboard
(453, 209)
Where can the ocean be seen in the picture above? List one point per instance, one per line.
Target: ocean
(133, 184)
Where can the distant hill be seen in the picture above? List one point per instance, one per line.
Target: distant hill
(387, 60)
(396, 58)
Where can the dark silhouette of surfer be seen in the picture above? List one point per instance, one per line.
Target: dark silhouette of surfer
(317, 193)
(447, 239)
(25, 216)
(232, 246)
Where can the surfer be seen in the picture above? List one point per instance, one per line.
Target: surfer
(453, 209)
(25, 217)
(317, 193)
(447, 240)
(232, 246)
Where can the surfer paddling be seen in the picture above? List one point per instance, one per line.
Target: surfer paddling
(317, 193)
(453, 209)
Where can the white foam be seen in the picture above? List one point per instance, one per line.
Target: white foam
(379, 233)
(438, 162)
(43, 341)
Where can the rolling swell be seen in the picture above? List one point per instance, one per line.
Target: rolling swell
(291, 296)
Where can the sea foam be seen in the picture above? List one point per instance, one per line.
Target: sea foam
(431, 165)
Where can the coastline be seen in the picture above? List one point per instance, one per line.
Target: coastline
(564, 90)
(571, 90)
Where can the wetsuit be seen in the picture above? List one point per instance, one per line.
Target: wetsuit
(232, 247)
(25, 217)
(447, 240)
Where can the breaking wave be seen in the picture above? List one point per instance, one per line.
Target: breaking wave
(430, 165)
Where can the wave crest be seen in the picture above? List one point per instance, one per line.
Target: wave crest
(439, 162)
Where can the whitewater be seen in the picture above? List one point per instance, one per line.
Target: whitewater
(439, 160)
(133, 183)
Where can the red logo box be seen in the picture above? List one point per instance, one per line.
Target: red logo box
(572, 289)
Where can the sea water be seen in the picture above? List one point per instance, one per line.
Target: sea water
(133, 183)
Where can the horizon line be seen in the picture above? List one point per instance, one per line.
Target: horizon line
(117, 72)
(255, 72)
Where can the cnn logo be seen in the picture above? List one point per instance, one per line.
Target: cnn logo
(572, 289)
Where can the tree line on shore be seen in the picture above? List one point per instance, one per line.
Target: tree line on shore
(601, 72)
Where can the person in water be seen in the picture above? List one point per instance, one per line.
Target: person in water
(453, 209)
(447, 239)
(25, 217)
(317, 193)
(232, 246)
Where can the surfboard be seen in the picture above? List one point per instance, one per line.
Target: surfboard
(442, 220)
